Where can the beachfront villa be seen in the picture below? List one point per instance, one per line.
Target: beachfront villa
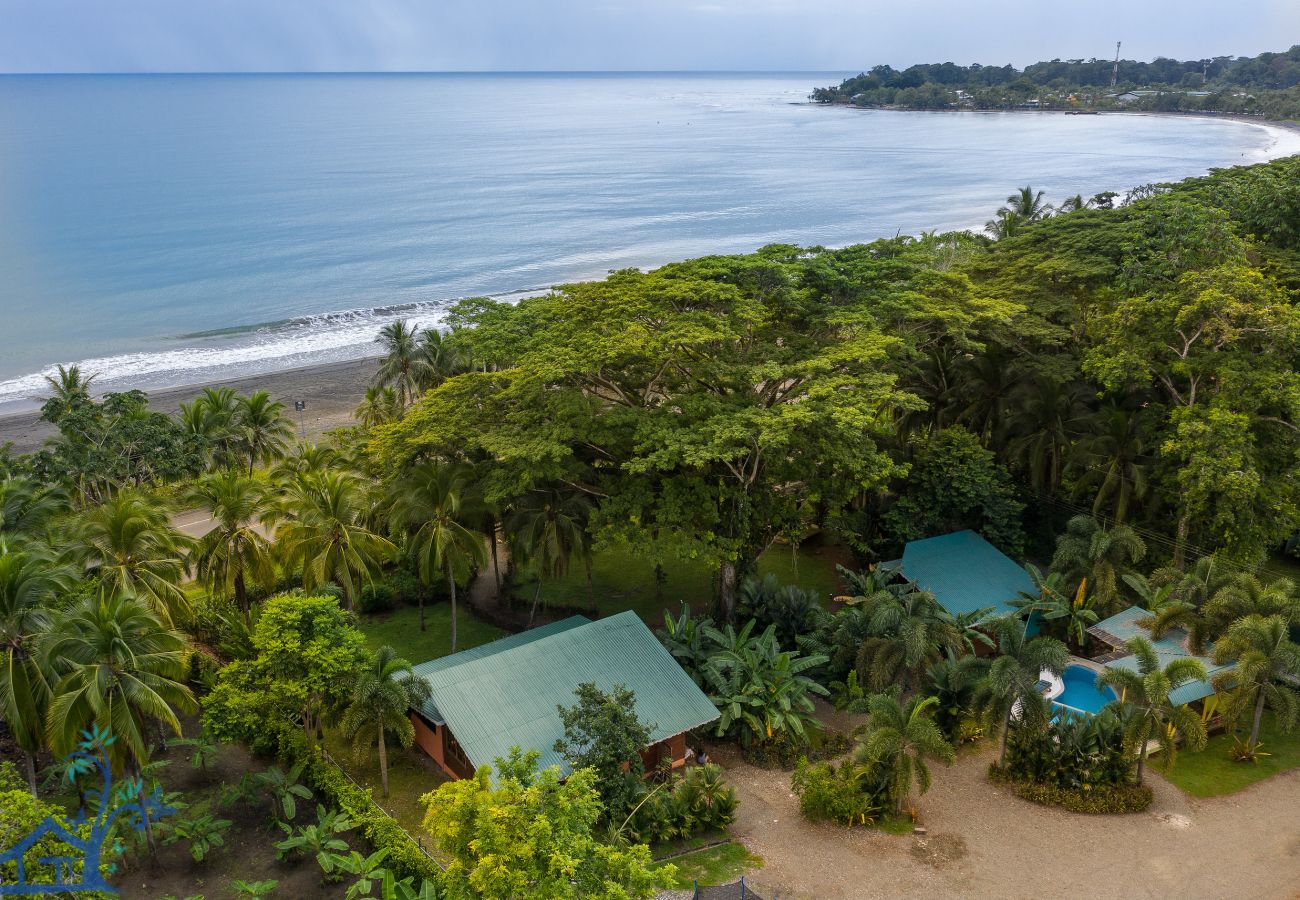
(1076, 689)
(964, 572)
(505, 694)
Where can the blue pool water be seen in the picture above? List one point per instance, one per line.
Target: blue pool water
(1081, 692)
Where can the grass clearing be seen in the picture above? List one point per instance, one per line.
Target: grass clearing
(1213, 772)
(411, 775)
(400, 630)
(722, 864)
(623, 578)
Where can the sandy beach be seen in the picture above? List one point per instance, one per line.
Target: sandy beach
(331, 390)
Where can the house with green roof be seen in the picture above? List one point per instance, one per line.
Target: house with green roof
(1120, 628)
(505, 694)
(964, 572)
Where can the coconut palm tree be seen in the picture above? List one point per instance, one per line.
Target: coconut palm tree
(69, 388)
(1073, 615)
(899, 742)
(1046, 416)
(27, 506)
(1111, 460)
(120, 668)
(129, 544)
(1022, 207)
(907, 630)
(382, 698)
(213, 417)
(1102, 556)
(1144, 695)
(32, 583)
(440, 359)
(1014, 675)
(987, 382)
(326, 535)
(379, 407)
(1265, 656)
(436, 507)
(1245, 594)
(264, 432)
(235, 552)
(548, 529)
(402, 365)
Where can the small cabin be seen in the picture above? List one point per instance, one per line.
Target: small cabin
(505, 694)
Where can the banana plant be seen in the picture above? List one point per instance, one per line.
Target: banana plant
(254, 890)
(320, 840)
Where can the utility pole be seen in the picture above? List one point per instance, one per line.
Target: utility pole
(300, 406)
(1114, 75)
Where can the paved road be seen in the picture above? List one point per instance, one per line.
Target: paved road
(194, 523)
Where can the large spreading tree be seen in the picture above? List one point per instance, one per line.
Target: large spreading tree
(718, 400)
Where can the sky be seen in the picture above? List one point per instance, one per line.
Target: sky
(583, 35)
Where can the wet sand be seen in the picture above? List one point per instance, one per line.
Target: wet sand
(332, 391)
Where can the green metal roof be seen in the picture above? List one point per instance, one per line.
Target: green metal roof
(1124, 626)
(965, 573)
(425, 669)
(506, 696)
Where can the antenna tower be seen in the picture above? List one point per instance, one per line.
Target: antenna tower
(1114, 74)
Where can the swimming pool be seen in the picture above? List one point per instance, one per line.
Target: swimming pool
(1081, 692)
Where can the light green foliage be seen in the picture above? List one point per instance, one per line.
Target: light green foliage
(307, 658)
(710, 399)
(204, 832)
(1267, 662)
(531, 836)
(254, 890)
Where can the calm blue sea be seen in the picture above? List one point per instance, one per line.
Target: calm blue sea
(168, 230)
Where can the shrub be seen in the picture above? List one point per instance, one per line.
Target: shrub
(376, 598)
(695, 803)
(830, 794)
(1118, 798)
(784, 752)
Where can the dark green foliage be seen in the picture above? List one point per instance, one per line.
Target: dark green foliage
(784, 752)
(1074, 752)
(954, 484)
(792, 610)
(602, 732)
(1267, 84)
(698, 802)
(114, 442)
(376, 597)
(1117, 798)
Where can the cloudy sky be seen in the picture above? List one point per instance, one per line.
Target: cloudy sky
(432, 35)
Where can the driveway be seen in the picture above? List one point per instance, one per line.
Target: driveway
(985, 842)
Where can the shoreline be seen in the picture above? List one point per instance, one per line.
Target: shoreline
(332, 391)
(1209, 115)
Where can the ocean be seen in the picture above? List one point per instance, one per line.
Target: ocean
(167, 230)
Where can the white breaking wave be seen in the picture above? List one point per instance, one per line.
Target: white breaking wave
(203, 358)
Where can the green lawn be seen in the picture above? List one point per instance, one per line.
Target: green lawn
(401, 631)
(1213, 772)
(623, 578)
(723, 864)
(411, 775)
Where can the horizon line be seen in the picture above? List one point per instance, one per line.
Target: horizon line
(832, 71)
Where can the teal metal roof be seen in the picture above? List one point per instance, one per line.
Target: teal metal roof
(425, 669)
(1124, 626)
(507, 697)
(965, 573)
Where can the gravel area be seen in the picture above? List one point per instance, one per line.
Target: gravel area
(984, 842)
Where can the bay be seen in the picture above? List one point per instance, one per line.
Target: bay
(166, 230)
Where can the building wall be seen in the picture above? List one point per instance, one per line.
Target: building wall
(433, 740)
